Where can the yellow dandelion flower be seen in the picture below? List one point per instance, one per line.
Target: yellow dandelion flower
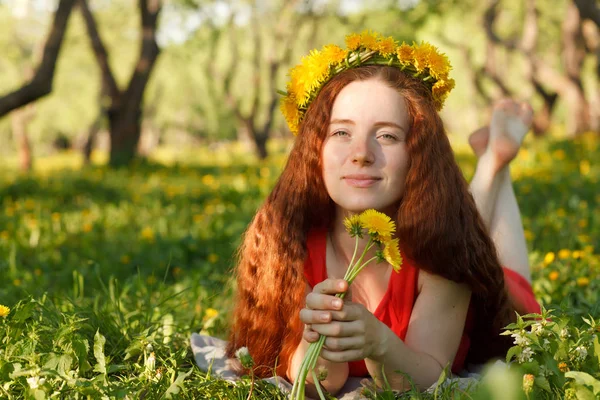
(298, 84)
(151, 280)
(553, 275)
(563, 367)
(440, 91)
(213, 258)
(391, 253)
(369, 39)
(405, 53)
(577, 254)
(289, 109)
(351, 222)
(125, 259)
(584, 167)
(564, 254)
(147, 233)
(353, 41)
(4, 311)
(4, 235)
(317, 69)
(210, 313)
(549, 258)
(582, 223)
(87, 227)
(439, 66)
(561, 212)
(421, 55)
(377, 223)
(386, 46)
(333, 54)
(583, 281)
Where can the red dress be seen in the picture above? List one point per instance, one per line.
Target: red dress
(396, 305)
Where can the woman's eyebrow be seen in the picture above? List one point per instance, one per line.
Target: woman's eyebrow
(342, 121)
(382, 124)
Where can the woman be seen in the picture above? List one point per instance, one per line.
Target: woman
(369, 136)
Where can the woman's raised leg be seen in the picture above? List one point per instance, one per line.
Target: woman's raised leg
(491, 186)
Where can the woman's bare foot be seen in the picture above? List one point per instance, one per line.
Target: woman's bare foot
(478, 140)
(511, 120)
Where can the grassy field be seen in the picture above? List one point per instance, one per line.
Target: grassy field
(107, 273)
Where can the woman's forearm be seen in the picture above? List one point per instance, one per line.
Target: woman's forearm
(394, 355)
(337, 373)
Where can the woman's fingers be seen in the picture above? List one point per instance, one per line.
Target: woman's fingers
(308, 316)
(331, 286)
(340, 329)
(317, 301)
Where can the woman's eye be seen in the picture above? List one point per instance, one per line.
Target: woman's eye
(340, 133)
(388, 136)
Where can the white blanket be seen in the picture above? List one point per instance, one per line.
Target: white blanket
(209, 353)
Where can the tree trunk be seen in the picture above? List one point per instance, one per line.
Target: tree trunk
(578, 115)
(125, 129)
(19, 120)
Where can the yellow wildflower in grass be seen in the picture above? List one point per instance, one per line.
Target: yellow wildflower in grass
(4, 311)
(549, 258)
(377, 223)
(528, 234)
(87, 227)
(125, 259)
(561, 212)
(583, 281)
(553, 275)
(391, 253)
(353, 41)
(559, 154)
(582, 223)
(213, 258)
(37, 272)
(151, 280)
(4, 235)
(563, 367)
(17, 282)
(564, 254)
(55, 216)
(577, 254)
(148, 233)
(584, 167)
(210, 313)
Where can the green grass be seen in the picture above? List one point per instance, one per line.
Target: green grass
(103, 268)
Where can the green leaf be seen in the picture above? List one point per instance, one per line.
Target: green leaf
(584, 393)
(512, 352)
(542, 382)
(583, 378)
(24, 313)
(178, 384)
(81, 348)
(99, 341)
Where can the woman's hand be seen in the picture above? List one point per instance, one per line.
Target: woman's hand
(352, 332)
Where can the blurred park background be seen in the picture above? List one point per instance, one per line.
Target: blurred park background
(138, 138)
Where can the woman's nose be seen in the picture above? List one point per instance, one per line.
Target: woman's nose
(361, 153)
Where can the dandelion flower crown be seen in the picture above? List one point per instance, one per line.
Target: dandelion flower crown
(422, 61)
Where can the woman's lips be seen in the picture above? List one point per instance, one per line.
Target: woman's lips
(361, 181)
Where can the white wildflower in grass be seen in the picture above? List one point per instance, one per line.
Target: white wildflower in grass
(520, 339)
(35, 382)
(546, 344)
(580, 353)
(322, 373)
(151, 362)
(564, 333)
(245, 358)
(149, 348)
(525, 356)
(537, 329)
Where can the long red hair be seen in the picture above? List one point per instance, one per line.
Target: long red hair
(438, 225)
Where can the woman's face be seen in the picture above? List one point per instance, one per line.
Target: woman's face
(365, 160)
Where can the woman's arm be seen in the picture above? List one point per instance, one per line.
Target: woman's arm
(434, 334)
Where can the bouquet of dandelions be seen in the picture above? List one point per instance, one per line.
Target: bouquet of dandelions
(380, 228)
